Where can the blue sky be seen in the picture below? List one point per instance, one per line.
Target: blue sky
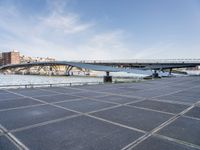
(101, 29)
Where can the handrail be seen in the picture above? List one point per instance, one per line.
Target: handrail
(48, 84)
(144, 61)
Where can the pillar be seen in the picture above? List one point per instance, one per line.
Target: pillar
(107, 78)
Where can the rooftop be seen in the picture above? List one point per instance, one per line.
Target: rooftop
(161, 114)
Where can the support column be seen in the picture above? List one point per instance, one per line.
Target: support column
(170, 71)
(155, 74)
(107, 78)
(68, 69)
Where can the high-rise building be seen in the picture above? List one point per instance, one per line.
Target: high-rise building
(12, 57)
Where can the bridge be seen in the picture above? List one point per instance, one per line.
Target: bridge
(70, 65)
(153, 64)
(144, 67)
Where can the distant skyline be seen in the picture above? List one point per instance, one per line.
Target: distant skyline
(101, 29)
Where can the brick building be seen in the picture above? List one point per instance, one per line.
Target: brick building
(12, 57)
(1, 61)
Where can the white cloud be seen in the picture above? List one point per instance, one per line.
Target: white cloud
(107, 45)
(65, 36)
(69, 24)
(59, 34)
(155, 51)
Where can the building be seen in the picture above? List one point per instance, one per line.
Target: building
(27, 59)
(1, 60)
(12, 57)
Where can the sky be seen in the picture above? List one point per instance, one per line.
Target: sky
(101, 29)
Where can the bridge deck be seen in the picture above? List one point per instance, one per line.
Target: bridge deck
(154, 115)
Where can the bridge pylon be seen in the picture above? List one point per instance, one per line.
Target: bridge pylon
(107, 78)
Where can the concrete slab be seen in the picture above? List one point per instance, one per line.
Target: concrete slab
(6, 144)
(134, 117)
(80, 133)
(120, 90)
(184, 129)
(98, 87)
(18, 118)
(155, 143)
(90, 94)
(14, 103)
(85, 105)
(65, 90)
(3, 92)
(174, 97)
(149, 93)
(118, 99)
(195, 112)
(113, 128)
(9, 96)
(33, 92)
(161, 106)
(190, 93)
(57, 98)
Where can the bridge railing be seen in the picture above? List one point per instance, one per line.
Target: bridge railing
(14, 86)
(145, 61)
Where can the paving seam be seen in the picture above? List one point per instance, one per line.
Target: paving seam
(179, 141)
(136, 142)
(46, 95)
(101, 119)
(73, 116)
(175, 101)
(190, 117)
(108, 94)
(121, 87)
(115, 123)
(141, 91)
(170, 101)
(71, 93)
(132, 86)
(78, 114)
(42, 104)
(95, 98)
(46, 102)
(175, 92)
(79, 93)
(43, 123)
(72, 87)
(13, 139)
(140, 107)
(87, 114)
(7, 99)
(71, 100)
(104, 120)
(22, 146)
(109, 102)
(153, 110)
(21, 107)
(53, 121)
(152, 132)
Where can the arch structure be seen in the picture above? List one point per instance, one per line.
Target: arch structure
(62, 63)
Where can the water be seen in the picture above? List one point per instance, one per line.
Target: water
(12, 80)
(34, 79)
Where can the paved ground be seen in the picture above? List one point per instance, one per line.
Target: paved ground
(163, 114)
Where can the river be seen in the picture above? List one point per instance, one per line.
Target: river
(36, 79)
